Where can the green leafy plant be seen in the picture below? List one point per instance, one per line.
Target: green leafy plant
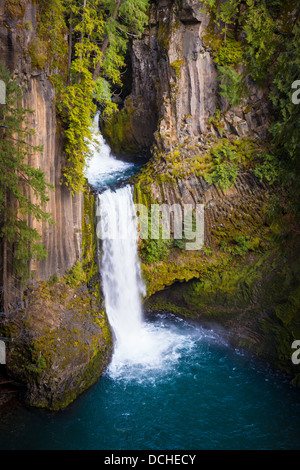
(154, 250)
(241, 245)
(76, 275)
(269, 170)
(232, 84)
(268, 33)
(225, 169)
(85, 42)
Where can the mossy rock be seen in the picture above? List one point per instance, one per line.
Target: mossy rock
(65, 345)
(255, 301)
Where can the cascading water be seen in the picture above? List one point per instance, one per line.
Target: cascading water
(137, 343)
(104, 170)
(121, 277)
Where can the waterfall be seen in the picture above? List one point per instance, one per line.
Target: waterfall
(139, 345)
(103, 169)
(122, 283)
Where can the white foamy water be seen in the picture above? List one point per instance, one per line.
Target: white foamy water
(103, 167)
(137, 343)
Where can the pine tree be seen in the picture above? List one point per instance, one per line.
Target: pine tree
(19, 182)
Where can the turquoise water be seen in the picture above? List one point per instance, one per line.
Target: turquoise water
(200, 394)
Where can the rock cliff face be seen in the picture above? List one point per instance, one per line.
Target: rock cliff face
(62, 240)
(59, 341)
(232, 281)
(175, 87)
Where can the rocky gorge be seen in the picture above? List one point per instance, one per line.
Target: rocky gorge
(243, 282)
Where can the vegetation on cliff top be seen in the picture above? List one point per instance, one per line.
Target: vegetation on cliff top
(63, 322)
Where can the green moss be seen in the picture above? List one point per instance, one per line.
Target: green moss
(78, 338)
(229, 157)
(176, 65)
(243, 280)
(16, 8)
(118, 129)
(38, 52)
(255, 298)
(164, 35)
(230, 52)
(89, 241)
(38, 366)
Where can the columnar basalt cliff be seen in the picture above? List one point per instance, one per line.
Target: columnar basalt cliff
(58, 338)
(175, 87)
(63, 239)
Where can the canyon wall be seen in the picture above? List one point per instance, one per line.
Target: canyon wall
(232, 283)
(58, 341)
(63, 239)
(175, 87)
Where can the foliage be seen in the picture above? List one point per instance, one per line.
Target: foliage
(231, 53)
(269, 170)
(286, 128)
(232, 84)
(103, 95)
(153, 250)
(225, 168)
(282, 165)
(77, 99)
(23, 189)
(86, 66)
(52, 33)
(268, 34)
(76, 275)
(247, 33)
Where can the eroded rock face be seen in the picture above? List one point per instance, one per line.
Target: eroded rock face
(63, 345)
(63, 239)
(175, 87)
(173, 67)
